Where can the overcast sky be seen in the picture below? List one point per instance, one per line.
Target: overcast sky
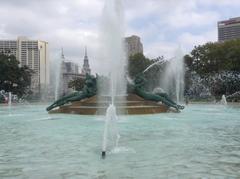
(163, 25)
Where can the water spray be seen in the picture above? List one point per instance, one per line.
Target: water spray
(224, 100)
(107, 121)
(111, 36)
(160, 62)
(9, 102)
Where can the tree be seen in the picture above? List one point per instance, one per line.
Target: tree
(138, 63)
(77, 84)
(2, 99)
(217, 64)
(214, 57)
(13, 78)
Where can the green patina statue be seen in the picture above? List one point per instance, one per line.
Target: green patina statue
(90, 89)
(157, 97)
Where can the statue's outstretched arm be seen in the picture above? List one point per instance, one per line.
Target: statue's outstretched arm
(157, 98)
(65, 99)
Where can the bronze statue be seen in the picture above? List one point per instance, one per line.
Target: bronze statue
(90, 89)
(158, 97)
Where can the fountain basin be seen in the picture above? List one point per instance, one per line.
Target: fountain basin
(97, 105)
(35, 144)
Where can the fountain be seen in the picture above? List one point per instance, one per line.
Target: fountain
(112, 47)
(9, 102)
(117, 100)
(173, 78)
(128, 98)
(58, 74)
(112, 35)
(223, 100)
(33, 145)
(159, 62)
(69, 145)
(110, 122)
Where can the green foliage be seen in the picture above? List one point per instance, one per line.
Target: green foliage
(138, 63)
(215, 57)
(218, 66)
(77, 84)
(13, 78)
(2, 99)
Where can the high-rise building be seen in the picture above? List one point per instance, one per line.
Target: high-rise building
(31, 53)
(133, 45)
(69, 67)
(69, 71)
(86, 68)
(229, 29)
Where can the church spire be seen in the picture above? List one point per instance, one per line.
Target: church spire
(85, 51)
(86, 69)
(63, 57)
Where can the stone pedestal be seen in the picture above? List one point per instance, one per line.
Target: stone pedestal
(97, 105)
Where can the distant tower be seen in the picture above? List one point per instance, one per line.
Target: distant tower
(229, 29)
(63, 57)
(86, 69)
(133, 45)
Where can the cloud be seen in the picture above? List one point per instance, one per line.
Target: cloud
(189, 40)
(73, 24)
(157, 49)
(192, 19)
(221, 2)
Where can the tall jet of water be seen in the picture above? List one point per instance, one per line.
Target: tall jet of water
(114, 61)
(224, 100)
(9, 99)
(112, 47)
(9, 102)
(172, 80)
(110, 122)
(58, 74)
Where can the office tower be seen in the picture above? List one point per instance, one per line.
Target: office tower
(229, 29)
(31, 53)
(133, 45)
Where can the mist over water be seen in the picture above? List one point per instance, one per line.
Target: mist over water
(112, 47)
(172, 80)
(58, 75)
(57, 85)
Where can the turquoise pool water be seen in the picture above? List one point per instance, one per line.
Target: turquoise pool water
(201, 142)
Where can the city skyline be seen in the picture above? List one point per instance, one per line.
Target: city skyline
(162, 26)
(33, 54)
